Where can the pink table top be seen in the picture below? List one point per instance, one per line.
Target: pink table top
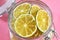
(54, 6)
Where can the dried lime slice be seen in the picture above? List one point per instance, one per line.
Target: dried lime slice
(43, 20)
(25, 25)
(34, 10)
(21, 9)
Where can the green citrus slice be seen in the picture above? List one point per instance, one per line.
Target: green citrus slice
(21, 9)
(25, 25)
(34, 10)
(42, 20)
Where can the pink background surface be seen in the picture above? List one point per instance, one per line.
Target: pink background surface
(54, 6)
(2, 2)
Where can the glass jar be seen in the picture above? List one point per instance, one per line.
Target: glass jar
(5, 5)
(14, 35)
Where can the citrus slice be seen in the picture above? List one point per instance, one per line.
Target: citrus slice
(42, 20)
(25, 25)
(34, 10)
(37, 34)
(21, 9)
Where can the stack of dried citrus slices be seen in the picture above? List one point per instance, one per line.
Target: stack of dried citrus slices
(30, 19)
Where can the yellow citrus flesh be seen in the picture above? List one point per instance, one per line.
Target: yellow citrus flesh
(34, 10)
(42, 20)
(25, 25)
(21, 9)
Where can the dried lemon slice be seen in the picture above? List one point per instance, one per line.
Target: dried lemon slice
(25, 25)
(43, 20)
(21, 9)
(34, 10)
